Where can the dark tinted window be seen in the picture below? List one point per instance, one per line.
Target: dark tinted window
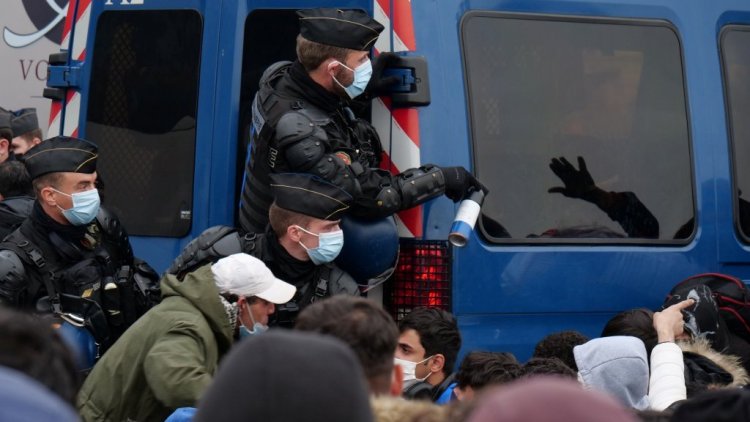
(142, 113)
(735, 46)
(609, 92)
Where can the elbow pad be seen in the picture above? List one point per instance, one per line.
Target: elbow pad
(420, 184)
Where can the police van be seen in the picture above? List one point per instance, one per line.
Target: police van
(612, 135)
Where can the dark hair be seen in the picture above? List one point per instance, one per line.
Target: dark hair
(30, 135)
(311, 54)
(635, 322)
(560, 345)
(438, 333)
(14, 180)
(7, 134)
(479, 369)
(30, 345)
(650, 415)
(361, 324)
(280, 219)
(548, 366)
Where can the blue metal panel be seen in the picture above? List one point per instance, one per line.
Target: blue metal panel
(508, 297)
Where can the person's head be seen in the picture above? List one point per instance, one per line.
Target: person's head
(14, 180)
(635, 322)
(333, 46)
(6, 134)
(245, 281)
(305, 216)
(617, 366)
(366, 328)
(549, 367)
(481, 369)
(546, 400)
(428, 344)
(560, 345)
(63, 173)
(287, 376)
(32, 346)
(26, 131)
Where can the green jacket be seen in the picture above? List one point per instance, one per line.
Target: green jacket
(166, 359)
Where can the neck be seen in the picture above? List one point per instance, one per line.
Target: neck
(55, 214)
(294, 249)
(436, 378)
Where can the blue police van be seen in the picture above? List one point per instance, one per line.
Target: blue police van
(612, 135)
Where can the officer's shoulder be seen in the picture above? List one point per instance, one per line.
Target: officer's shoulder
(276, 69)
(10, 263)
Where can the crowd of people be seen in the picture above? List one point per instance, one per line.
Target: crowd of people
(258, 322)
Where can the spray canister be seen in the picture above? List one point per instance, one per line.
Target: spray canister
(466, 218)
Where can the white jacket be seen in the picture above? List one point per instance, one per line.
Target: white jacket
(667, 381)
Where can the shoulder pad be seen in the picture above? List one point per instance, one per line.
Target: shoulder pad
(273, 71)
(301, 124)
(13, 280)
(214, 243)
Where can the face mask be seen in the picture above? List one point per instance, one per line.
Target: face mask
(329, 246)
(258, 328)
(362, 76)
(410, 369)
(84, 209)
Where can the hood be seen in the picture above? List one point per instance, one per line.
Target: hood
(719, 362)
(199, 288)
(17, 206)
(615, 365)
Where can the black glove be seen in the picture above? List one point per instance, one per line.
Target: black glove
(378, 84)
(578, 182)
(459, 183)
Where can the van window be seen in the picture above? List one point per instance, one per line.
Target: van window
(579, 129)
(142, 114)
(735, 42)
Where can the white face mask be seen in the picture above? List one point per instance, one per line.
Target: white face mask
(410, 368)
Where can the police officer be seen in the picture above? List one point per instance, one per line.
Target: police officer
(302, 122)
(70, 256)
(299, 245)
(26, 131)
(6, 135)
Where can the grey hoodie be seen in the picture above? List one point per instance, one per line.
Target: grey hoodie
(617, 366)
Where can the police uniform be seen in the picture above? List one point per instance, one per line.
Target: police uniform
(6, 132)
(304, 194)
(87, 270)
(299, 126)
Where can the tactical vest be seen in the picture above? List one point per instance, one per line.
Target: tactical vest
(87, 287)
(358, 140)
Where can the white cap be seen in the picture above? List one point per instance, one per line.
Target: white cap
(245, 275)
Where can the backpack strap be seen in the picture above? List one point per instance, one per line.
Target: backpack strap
(30, 253)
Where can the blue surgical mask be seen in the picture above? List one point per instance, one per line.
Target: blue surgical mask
(329, 246)
(362, 74)
(258, 328)
(84, 209)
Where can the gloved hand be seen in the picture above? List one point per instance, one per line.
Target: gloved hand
(578, 182)
(378, 84)
(459, 182)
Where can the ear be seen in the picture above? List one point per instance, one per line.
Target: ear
(438, 363)
(4, 145)
(46, 195)
(397, 380)
(36, 141)
(293, 233)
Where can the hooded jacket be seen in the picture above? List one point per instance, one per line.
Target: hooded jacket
(706, 369)
(166, 359)
(615, 365)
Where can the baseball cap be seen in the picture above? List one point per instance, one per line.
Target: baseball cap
(245, 275)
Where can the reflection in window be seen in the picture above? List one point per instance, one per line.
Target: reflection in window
(735, 43)
(142, 114)
(579, 128)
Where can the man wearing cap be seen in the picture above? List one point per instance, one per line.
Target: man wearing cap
(299, 245)
(167, 360)
(71, 256)
(26, 131)
(302, 122)
(6, 135)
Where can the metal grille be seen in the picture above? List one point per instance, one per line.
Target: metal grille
(422, 277)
